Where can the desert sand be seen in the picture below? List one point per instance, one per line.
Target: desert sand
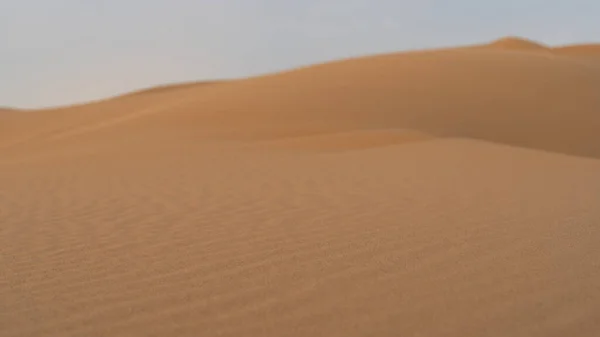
(446, 192)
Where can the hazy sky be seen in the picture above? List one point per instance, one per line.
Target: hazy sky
(65, 51)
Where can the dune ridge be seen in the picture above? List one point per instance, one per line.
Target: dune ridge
(168, 87)
(581, 49)
(449, 192)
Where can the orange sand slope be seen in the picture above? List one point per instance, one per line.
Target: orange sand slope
(446, 192)
(543, 100)
(587, 50)
(515, 43)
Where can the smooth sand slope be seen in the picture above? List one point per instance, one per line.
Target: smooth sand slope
(585, 50)
(435, 193)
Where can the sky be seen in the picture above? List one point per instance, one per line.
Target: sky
(61, 52)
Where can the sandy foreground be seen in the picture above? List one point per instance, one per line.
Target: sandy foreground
(447, 192)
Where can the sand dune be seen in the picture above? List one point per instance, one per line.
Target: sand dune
(520, 44)
(38, 126)
(582, 49)
(483, 93)
(524, 99)
(589, 53)
(447, 192)
(533, 100)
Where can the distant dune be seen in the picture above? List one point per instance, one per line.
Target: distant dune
(589, 53)
(582, 49)
(448, 192)
(516, 43)
(523, 99)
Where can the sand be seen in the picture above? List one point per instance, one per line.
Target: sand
(447, 192)
(517, 43)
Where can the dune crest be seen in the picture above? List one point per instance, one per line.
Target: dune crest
(168, 88)
(517, 43)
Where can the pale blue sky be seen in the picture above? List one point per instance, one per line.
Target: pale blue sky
(65, 51)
